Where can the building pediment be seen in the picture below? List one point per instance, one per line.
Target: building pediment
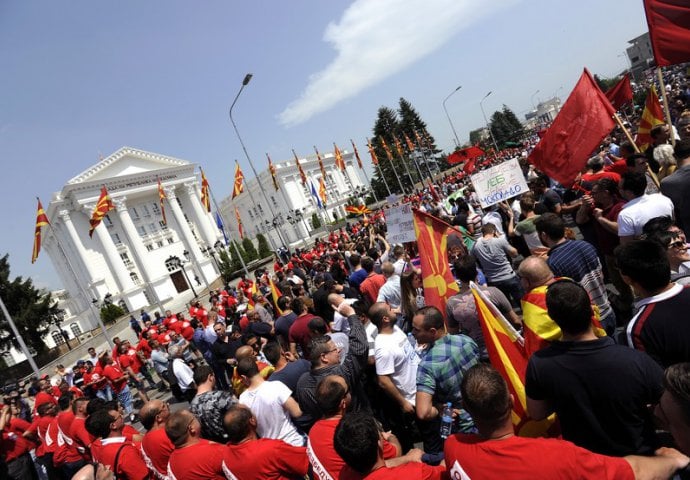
(126, 161)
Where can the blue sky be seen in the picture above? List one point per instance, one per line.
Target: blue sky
(84, 78)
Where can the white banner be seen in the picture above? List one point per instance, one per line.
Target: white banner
(499, 183)
(400, 225)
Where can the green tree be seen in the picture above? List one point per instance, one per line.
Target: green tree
(33, 310)
(250, 251)
(506, 127)
(228, 263)
(264, 250)
(605, 83)
(315, 221)
(110, 312)
(476, 136)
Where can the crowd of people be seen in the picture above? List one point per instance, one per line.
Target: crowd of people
(330, 364)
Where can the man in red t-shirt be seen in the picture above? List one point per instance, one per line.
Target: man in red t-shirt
(94, 379)
(358, 440)
(14, 448)
(44, 395)
(118, 380)
(67, 457)
(250, 458)
(77, 430)
(43, 429)
(497, 453)
(193, 458)
(299, 333)
(133, 362)
(112, 449)
(333, 398)
(156, 447)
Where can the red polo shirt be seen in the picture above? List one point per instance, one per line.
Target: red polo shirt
(156, 448)
(201, 461)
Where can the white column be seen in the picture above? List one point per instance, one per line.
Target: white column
(117, 266)
(187, 236)
(76, 242)
(208, 231)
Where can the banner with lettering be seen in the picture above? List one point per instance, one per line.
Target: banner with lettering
(499, 183)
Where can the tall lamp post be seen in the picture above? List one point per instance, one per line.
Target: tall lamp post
(457, 140)
(487, 122)
(531, 99)
(246, 80)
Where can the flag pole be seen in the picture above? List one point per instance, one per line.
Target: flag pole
(359, 160)
(660, 77)
(20, 340)
(232, 240)
(311, 197)
(290, 209)
(652, 175)
(81, 288)
(373, 154)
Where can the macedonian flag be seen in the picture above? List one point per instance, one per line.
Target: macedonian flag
(507, 355)
(321, 167)
(275, 295)
(272, 169)
(161, 198)
(41, 221)
(410, 145)
(302, 176)
(652, 115)
(103, 206)
(398, 147)
(238, 187)
(322, 192)
(357, 209)
(205, 192)
(240, 229)
(372, 152)
(359, 160)
(339, 162)
(387, 149)
(437, 279)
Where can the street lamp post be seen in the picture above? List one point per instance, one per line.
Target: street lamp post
(487, 122)
(245, 81)
(457, 140)
(531, 99)
(173, 262)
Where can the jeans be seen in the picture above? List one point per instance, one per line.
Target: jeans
(511, 288)
(125, 399)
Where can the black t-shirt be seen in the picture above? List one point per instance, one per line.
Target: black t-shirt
(282, 326)
(600, 392)
(322, 308)
(550, 199)
(290, 374)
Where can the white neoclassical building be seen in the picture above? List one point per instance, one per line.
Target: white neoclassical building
(290, 208)
(127, 261)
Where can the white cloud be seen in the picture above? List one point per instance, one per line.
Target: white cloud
(378, 38)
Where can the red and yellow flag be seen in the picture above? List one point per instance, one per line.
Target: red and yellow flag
(398, 147)
(507, 355)
(409, 143)
(389, 154)
(103, 206)
(539, 329)
(238, 187)
(357, 209)
(372, 152)
(41, 221)
(339, 162)
(275, 295)
(205, 192)
(322, 191)
(302, 176)
(437, 279)
(161, 197)
(359, 160)
(321, 167)
(240, 229)
(652, 115)
(272, 169)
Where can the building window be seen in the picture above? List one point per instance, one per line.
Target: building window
(108, 221)
(141, 230)
(149, 248)
(159, 244)
(162, 225)
(76, 329)
(135, 214)
(273, 199)
(145, 209)
(135, 278)
(170, 241)
(251, 215)
(155, 208)
(125, 259)
(58, 338)
(152, 227)
(116, 239)
(8, 359)
(178, 201)
(148, 298)
(123, 305)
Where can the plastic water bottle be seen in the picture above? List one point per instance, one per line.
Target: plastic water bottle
(447, 421)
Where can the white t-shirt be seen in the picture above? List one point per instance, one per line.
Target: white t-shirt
(273, 421)
(640, 210)
(396, 357)
(372, 331)
(184, 374)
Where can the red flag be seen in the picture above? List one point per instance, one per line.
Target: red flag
(652, 115)
(359, 160)
(357, 209)
(669, 30)
(41, 221)
(103, 206)
(339, 162)
(507, 356)
(410, 145)
(581, 125)
(398, 147)
(272, 169)
(470, 166)
(437, 279)
(161, 197)
(238, 186)
(302, 176)
(621, 93)
(389, 154)
(321, 167)
(275, 295)
(240, 229)
(205, 192)
(465, 154)
(322, 191)
(372, 152)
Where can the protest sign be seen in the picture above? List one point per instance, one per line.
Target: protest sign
(400, 225)
(499, 183)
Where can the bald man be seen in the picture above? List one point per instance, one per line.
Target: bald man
(539, 329)
(193, 457)
(156, 447)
